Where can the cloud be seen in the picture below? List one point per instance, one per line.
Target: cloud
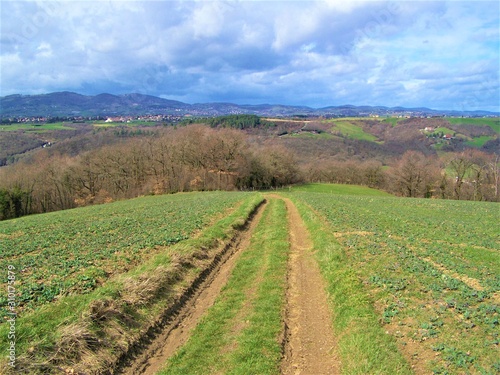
(315, 53)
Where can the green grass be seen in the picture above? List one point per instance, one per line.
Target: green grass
(430, 268)
(392, 120)
(38, 333)
(338, 189)
(443, 130)
(36, 128)
(479, 141)
(74, 251)
(351, 130)
(306, 134)
(493, 122)
(239, 334)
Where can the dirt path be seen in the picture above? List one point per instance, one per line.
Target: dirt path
(178, 330)
(309, 347)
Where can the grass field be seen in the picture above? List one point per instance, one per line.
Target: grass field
(306, 134)
(37, 128)
(392, 120)
(351, 130)
(338, 189)
(479, 141)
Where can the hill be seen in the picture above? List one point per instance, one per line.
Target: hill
(72, 104)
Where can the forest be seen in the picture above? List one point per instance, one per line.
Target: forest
(239, 153)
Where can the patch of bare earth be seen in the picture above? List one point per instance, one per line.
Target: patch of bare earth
(309, 342)
(469, 281)
(178, 329)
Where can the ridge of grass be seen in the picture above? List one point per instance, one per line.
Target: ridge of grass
(61, 334)
(214, 346)
(363, 346)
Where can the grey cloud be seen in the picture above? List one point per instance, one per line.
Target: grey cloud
(312, 53)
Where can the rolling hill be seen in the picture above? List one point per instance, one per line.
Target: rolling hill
(73, 104)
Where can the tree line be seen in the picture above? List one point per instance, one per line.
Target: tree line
(467, 175)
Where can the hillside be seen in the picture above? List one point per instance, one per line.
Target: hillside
(220, 282)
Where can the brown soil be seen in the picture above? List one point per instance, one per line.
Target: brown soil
(177, 330)
(469, 281)
(310, 345)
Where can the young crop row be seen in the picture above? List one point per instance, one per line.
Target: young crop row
(432, 271)
(74, 251)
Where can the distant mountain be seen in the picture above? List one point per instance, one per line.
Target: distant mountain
(65, 104)
(72, 104)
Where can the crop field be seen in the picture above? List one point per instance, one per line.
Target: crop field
(248, 283)
(431, 269)
(130, 124)
(74, 251)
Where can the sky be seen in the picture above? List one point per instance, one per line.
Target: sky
(440, 55)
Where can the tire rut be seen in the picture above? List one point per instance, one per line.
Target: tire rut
(177, 329)
(309, 346)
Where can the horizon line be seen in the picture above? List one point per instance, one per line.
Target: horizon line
(497, 112)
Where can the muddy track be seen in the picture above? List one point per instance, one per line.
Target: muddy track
(309, 346)
(161, 341)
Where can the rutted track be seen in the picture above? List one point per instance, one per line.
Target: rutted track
(309, 346)
(164, 339)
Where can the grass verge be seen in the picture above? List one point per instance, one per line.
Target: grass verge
(363, 346)
(240, 334)
(89, 333)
